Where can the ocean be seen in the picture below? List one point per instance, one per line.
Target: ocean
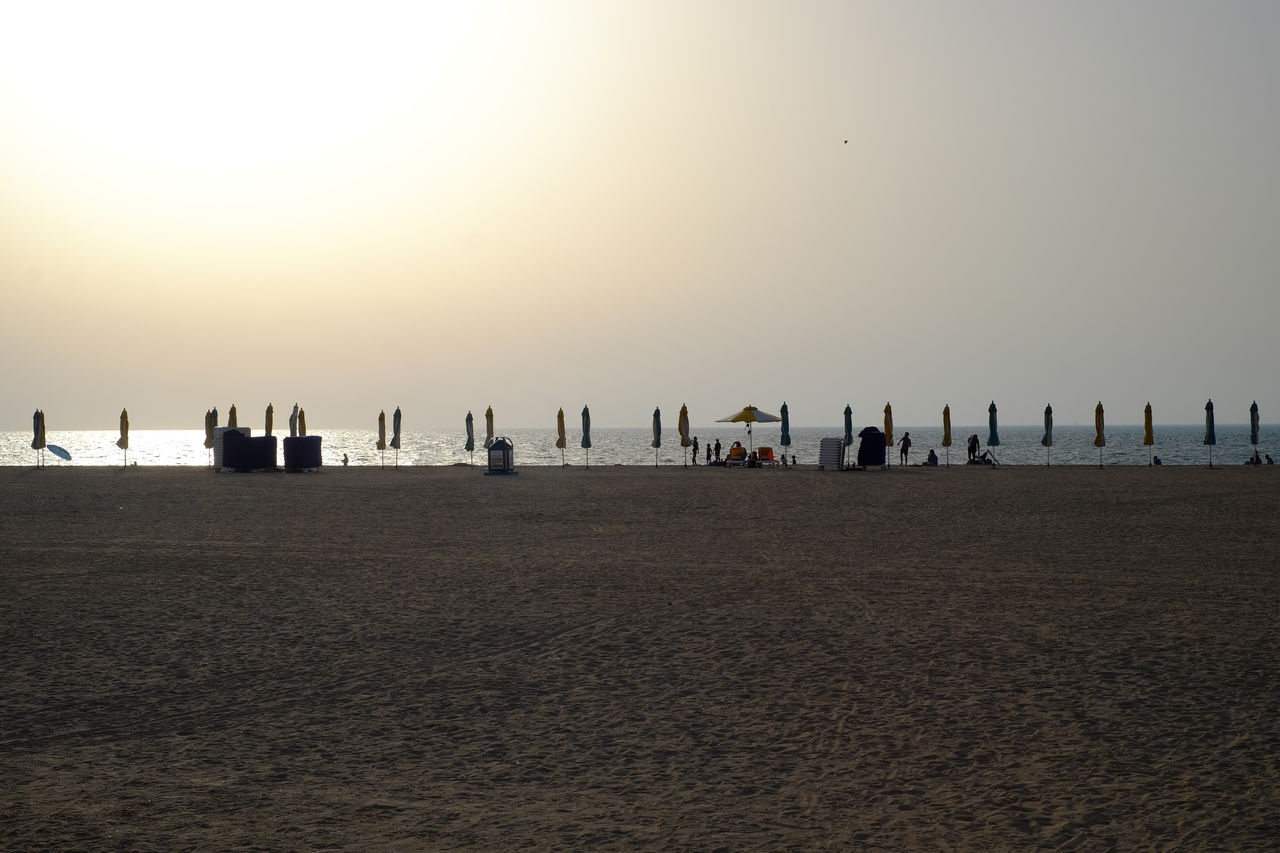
(1020, 445)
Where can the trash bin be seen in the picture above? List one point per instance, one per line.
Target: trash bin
(501, 456)
(870, 448)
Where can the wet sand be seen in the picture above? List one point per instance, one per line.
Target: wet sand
(630, 658)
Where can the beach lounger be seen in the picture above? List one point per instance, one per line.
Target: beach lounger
(831, 454)
(765, 455)
(737, 456)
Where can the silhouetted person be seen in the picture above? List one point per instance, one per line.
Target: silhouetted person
(905, 444)
(973, 447)
(717, 450)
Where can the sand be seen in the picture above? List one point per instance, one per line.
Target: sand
(630, 658)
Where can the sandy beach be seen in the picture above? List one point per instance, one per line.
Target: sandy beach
(631, 658)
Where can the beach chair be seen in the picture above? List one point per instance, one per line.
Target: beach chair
(737, 456)
(765, 456)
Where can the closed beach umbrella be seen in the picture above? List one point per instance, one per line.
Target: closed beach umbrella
(1047, 440)
(657, 434)
(561, 441)
(470, 445)
(37, 441)
(682, 428)
(214, 410)
(232, 423)
(302, 421)
(1099, 425)
(293, 421)
(1210, 437)
(208, 428)
(123, 441)
(848, 425)
(1253, 424)
(395, 433)
(488, 427)
(382, 431)
(888, 430)
(993, 435)
(785, 438)
(270, 419)
(946, 431)
(586, 433)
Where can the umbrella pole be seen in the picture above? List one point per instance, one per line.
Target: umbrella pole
(397, 459)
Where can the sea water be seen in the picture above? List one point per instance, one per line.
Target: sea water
(1020, 445)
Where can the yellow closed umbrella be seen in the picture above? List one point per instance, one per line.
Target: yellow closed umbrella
(561, 441)
(946, 431)
(208, 429)
(1099, 440)
(888, 430)
(302, 422)
(123, 441)
(382, 436)
(1148, 434)
(488, 427)
(682, 427)
(232, 423)
(270, 419)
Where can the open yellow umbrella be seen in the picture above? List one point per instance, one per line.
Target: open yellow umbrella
(750, 415)
(1148, 434)
(682, 427)
(123, 441)
(561, 441)
(270, 419)
(888, 430)
(946, 431)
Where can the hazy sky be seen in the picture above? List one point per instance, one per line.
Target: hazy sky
(529, 205)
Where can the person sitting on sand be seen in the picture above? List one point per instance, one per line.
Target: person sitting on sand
(1155, 460)
(933, 458)
(1270, 461)
(753, 459)
(1255, 459)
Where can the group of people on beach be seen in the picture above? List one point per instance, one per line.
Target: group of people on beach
(751, 460)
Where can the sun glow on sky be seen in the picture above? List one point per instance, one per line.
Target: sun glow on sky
(532, 205)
